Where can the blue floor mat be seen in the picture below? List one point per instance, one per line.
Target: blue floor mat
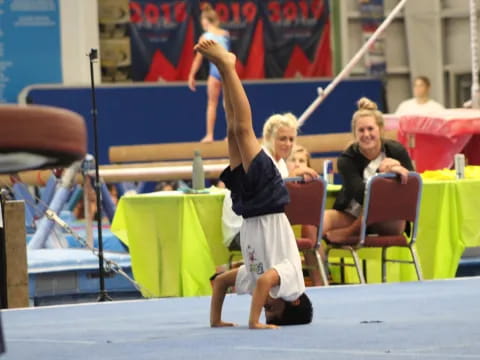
(109, 240)
(71, 275)
(428, 320)
(52, 260)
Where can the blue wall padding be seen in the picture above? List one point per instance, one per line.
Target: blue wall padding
(149, 114)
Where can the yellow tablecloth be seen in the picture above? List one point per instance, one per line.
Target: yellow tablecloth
(449, 221)
(175, 240)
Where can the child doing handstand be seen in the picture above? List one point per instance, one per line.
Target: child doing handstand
(272, 272)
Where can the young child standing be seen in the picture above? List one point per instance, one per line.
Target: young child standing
(272, 272)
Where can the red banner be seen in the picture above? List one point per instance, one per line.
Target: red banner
(297, 38)
(271, 38)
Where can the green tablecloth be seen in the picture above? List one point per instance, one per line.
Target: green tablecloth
(449, 222)
(175, 240)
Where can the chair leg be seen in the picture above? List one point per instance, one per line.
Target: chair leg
(364, 268)
(321, 267)
(342, 270)
(356, 260)
(416, 262)
(384, 264)
(327, 254)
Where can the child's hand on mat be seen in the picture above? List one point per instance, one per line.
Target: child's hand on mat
(263, 326)
(222, 324)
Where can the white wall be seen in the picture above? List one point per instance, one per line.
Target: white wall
(79, 34)
(431, 37)
(398, 79)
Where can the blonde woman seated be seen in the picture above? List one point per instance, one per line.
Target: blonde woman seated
(368, 155)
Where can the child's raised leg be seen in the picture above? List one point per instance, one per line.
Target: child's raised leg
(225, 61)
(233, 150)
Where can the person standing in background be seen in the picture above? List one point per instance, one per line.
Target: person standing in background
(211, 25)
(420, 104)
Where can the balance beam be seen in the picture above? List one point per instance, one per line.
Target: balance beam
(162, 169)
(315, 144)
(169, 151)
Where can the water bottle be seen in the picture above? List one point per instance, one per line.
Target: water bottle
(198, 174)
(328, 171)
(459, 161)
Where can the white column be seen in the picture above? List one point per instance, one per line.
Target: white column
(79, 34)
(425, 44)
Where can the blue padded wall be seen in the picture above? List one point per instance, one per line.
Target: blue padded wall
(159, 113)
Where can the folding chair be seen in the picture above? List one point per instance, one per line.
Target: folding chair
(306, 208)
(386, 199)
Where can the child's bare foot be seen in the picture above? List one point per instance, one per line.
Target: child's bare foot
(216, 53)
(223, 324)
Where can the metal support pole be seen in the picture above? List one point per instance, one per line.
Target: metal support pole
(322, 94)
(45, 226)
(103, 296)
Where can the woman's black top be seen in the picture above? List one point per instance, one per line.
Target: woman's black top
(351, 164)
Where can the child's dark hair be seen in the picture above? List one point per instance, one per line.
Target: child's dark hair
(295, 314)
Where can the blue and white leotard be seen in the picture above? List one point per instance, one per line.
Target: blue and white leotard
(223, 40)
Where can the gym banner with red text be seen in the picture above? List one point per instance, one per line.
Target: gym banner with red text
(242, 20)
(297, 38)
(162, 38)
(271, 38)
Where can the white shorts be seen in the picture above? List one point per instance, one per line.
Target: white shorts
(268, 242)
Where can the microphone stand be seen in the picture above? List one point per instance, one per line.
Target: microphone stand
(103, 296)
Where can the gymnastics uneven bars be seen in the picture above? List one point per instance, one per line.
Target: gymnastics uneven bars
(322, 94)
